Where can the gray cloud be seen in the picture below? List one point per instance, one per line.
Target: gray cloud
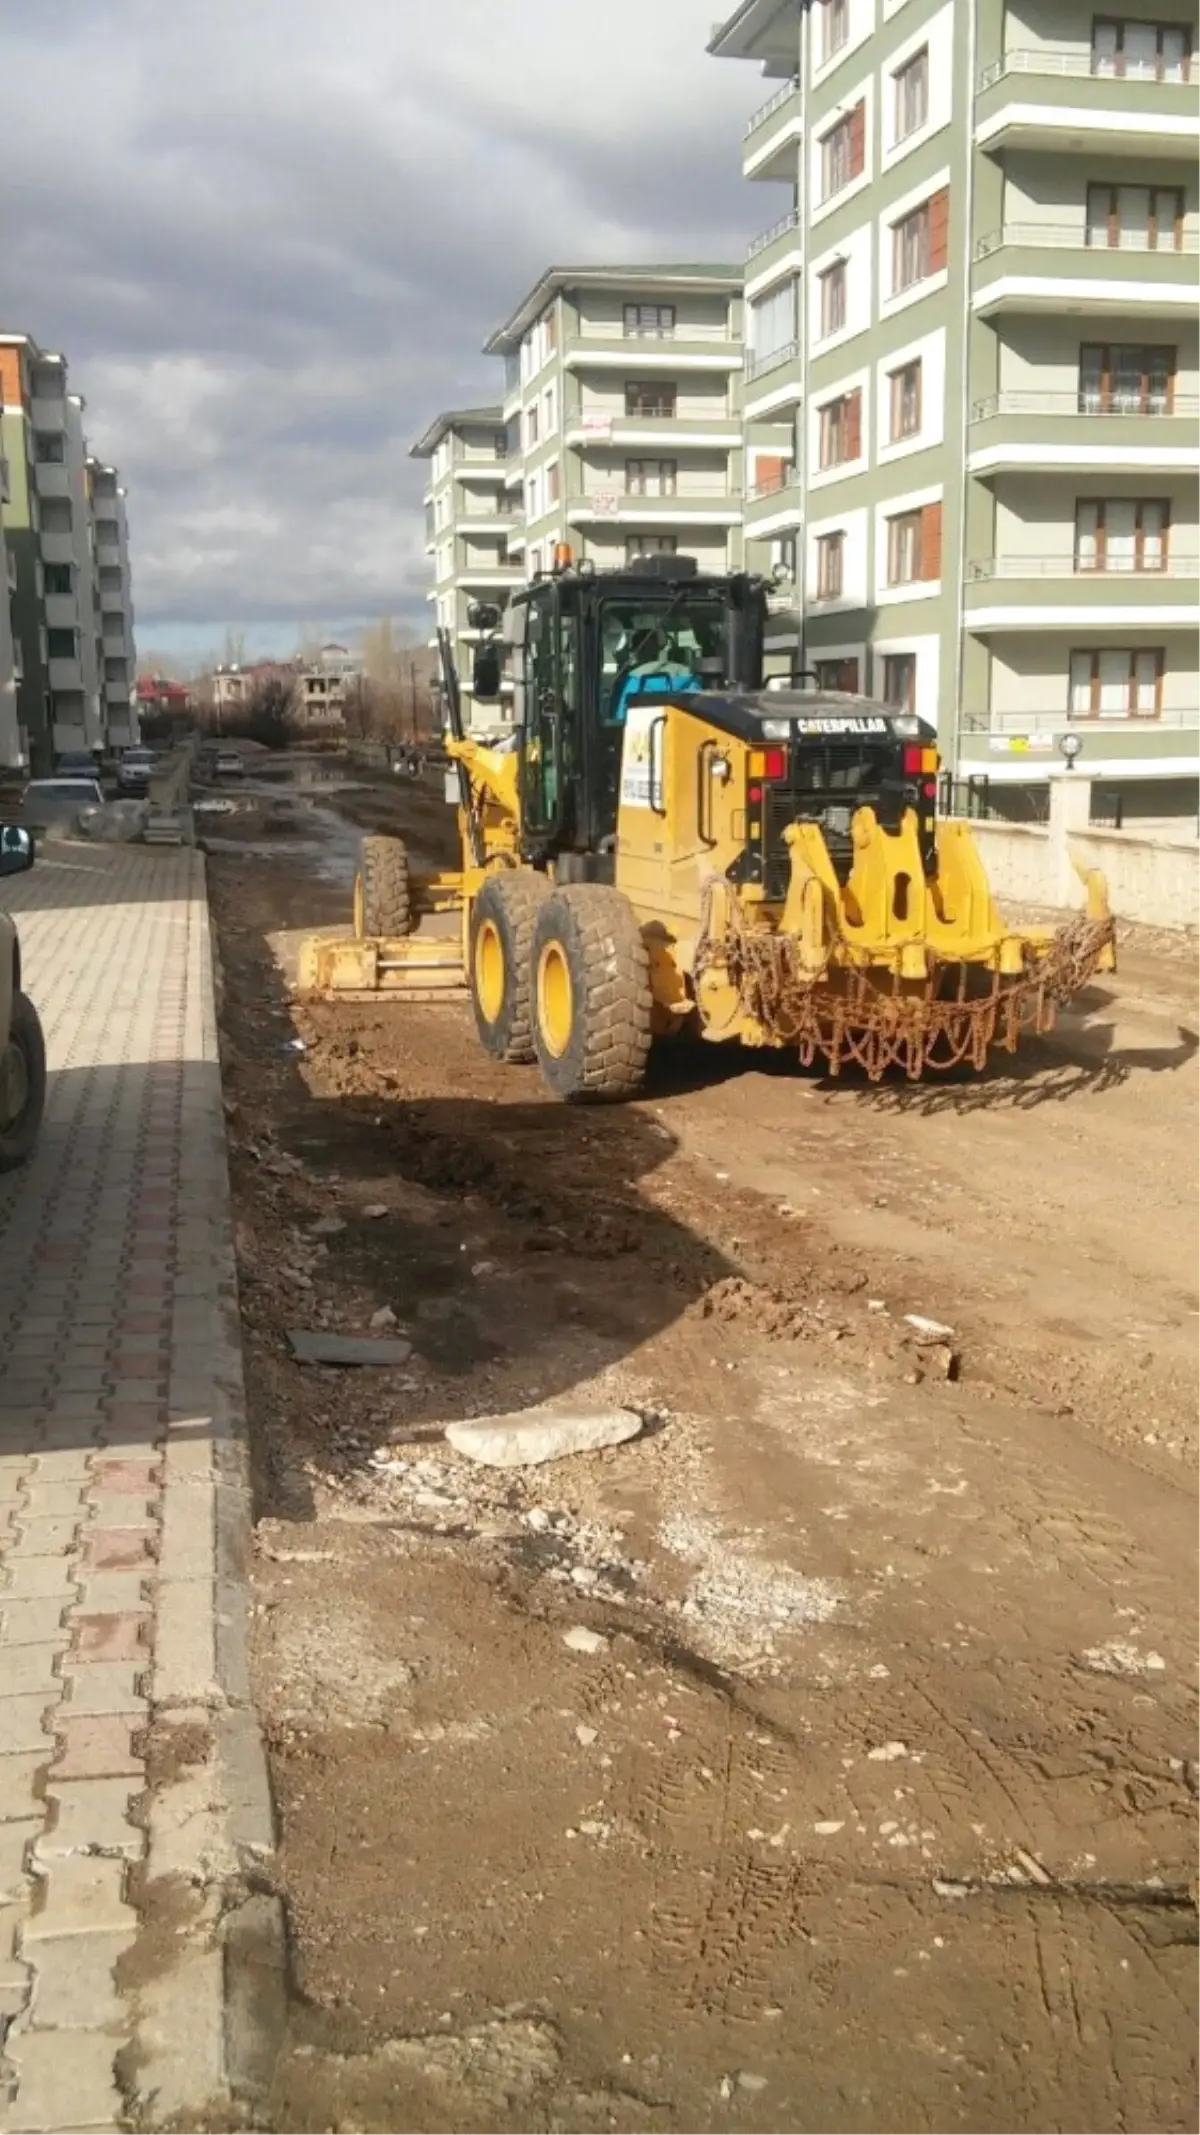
(273, 236)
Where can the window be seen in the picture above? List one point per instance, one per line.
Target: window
(843, 152)
(1126, 378)
(1121, 534)
(61, 645)
(531, 426)
(914, 546)
(651, 478)
(553, 484)
(1135, 218)
(1157, 51)
(649, 545)
(835, 27)
(905, 395)
(770, 474)
(900, 680)
(772, 323)
(649, 397)
(920, 242)
(831, 553)
(49, 448)
(783, 553)
(841, 429)
(911, 84)
(500, 444)
(56, 515)
(833, 299)
(59, 578)
(649, 322)
(1112, 683)
(549, 411)
(838, 674)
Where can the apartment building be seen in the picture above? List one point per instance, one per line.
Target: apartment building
(971, 374)
(10, 725)
(622, 403)
(471, 513)
(112, 594)
(71, 688)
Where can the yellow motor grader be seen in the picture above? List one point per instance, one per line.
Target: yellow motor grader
(661, 843)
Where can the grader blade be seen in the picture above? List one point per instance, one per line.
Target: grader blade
(357, 968)
(894, 969)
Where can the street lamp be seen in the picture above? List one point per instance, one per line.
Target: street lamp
(1069, 746)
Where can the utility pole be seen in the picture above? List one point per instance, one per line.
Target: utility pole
(412, 688)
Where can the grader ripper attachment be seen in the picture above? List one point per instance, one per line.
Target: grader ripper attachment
(665, 846)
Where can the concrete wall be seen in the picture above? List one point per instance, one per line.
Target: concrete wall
(1154, 881)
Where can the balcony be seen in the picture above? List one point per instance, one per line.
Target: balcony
(1022, 746)
(48, 411)
(65, 674)
(52, 478)
(640, 356)
(1056, 593)
(483, 576)
(1052, 267)
(718, 507)
(1065, 99)
(639, 432)
(775, 251)
(491, 468)
(771, 141)
(774, 381)
(773, 508)
(61, 611)
(1074, 431)
(57, 548)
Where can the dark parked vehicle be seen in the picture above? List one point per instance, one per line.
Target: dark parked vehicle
(22, 1046)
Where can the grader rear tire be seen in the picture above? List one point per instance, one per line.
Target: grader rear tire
(382, 892)
(591, 995)
(502, 921)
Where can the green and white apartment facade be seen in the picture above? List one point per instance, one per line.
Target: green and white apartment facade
(67, 672)
(970, 395)
(618, 431)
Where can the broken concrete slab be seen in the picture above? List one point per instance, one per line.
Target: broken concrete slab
(311, 1345)
(531, 1436)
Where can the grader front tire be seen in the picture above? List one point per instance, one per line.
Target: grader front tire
(382, 892)
(591, 995)
(502, 923)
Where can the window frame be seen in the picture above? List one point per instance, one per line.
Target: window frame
(660, 389)
(832, 430)
(1112, 221)
(912, 523)
(839, 137)
(1122, 23)
(1134, 653)
(900, 78)
(914, 366)
(839, 665)
(650, 545)
(833, 279)
(831, 564)
(835, 14)
(669, 482)
(906, 702)
(662, 330)
(1109, 374)
(1141, 505)
(920, 217)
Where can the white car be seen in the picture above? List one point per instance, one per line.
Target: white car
(50, 802)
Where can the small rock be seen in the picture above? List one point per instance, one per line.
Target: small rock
(928, 1330)
(531, 1436)
(876, 1304)
(483, 1267)
(829, 1828)
(375, 1211)
(726, 2087)
(312, 1346)
(747, 2082)
(327, 1226)
(887, 1752)
(385, 1317)
(583, 1575)
(585, 1736)
(538, 1520)
(581, 1640)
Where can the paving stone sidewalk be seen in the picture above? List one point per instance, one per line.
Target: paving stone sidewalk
(122, 1516)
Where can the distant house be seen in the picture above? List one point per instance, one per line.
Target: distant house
(159, 698)
(325, 684)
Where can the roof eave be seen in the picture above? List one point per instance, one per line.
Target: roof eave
(507, 338)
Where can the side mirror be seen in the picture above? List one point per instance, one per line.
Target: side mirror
(485, 674)
(16, 849)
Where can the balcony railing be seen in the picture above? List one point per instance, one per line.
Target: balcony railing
(1076, 236)
(756, 366)
(1172, 566)
(1051, 59)
(1042, 721)
(767, 237)
(789, 487)
(1085, 401)
(772, 104)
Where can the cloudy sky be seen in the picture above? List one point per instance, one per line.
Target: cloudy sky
(271, 235)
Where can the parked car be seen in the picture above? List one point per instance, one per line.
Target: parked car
(23, 1053)
(75, 763)
(49, 803)
(228, 764)
(135, 770)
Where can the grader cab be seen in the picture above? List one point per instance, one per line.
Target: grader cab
(664, 844)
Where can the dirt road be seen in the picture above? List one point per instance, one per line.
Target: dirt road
(871, 1803)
